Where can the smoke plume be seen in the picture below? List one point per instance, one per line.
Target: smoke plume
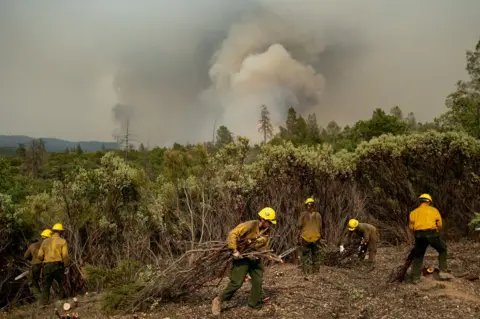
(254, 67)
(67, 68)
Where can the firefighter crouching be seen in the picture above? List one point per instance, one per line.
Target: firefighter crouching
(369, 242)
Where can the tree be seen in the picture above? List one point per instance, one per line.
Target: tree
(464, 103)
(313, 130)
(146, 163)
(265, 124)
(291, 123)
(380, 123)
(21, 151)
(79, 150)
(411, 121)
(301, 129)
(397, 113)
(332, 130)
(296, 129)
(35, 157)
(224, 136)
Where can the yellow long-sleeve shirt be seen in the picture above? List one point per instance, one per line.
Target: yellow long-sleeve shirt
(32, 252)
(310, 225)
(425, 217)
(247, 230)
(54, 249)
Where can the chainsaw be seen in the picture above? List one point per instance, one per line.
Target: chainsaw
(23, 274)
(288, 252)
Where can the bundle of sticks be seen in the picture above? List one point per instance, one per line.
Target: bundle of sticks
(398, 274)
(337, 258)
(193, 270)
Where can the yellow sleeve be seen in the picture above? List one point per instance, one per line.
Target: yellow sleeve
(28, 253)
(65, 254)
(262, 242)
(41, 252)
(411, 223)
(237, 232)
(320, 224)
(438, 219)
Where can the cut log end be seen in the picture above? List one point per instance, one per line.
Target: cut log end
(67, 306)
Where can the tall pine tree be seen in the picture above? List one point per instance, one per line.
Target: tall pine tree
(266, 127)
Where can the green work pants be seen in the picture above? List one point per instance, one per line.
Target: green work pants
(423, 239)
(310, 256)
(35, 272)
(239, 271)
(51, 272)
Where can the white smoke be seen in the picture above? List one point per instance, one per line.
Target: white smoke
(265, 60)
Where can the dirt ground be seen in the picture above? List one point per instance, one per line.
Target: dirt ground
(356, 292)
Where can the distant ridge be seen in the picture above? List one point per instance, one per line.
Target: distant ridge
(9, 143)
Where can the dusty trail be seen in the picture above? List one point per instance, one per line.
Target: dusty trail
(357, 292)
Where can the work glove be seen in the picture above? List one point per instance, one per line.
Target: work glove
(236, 255)
(342, 249)
(66, 271)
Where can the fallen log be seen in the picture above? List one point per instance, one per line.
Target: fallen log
(398, 274)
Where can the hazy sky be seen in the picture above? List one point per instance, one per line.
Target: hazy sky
(188, 65)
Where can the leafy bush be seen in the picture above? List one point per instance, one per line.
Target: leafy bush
(101, 277)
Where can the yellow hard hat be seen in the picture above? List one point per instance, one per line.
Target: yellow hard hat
(46, 233)
(425, 196)
(309, 201)
(57, 227)
(352, 224)
(268, 213)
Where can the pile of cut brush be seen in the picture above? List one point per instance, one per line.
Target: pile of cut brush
(335, 258)
(193, 270)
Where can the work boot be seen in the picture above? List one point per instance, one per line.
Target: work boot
(445, 275)
(216, 306)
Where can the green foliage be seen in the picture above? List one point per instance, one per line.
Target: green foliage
(9, 217)
(99, 277)
(120, 297)
(379, 124)
(475, 222)
(224, 136)
(157, 203)
(464, 103)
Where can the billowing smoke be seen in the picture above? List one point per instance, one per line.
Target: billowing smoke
(186, 67)
(265, 60)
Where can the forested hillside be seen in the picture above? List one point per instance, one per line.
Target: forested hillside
(144, 206)
(10, 143)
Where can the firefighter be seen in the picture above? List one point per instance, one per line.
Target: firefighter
(310, 227)
(252, 232)
(425, 222)
(36, 269)
(54, 253)
(369, 239)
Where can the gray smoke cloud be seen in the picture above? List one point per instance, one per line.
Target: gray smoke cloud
(189, 66)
